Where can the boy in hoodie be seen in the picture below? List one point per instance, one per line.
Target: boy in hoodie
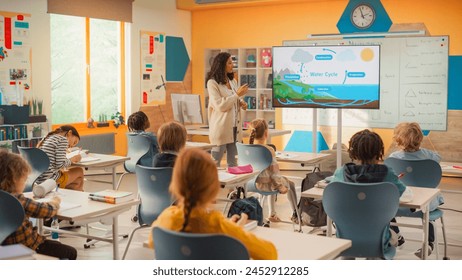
(366, 151)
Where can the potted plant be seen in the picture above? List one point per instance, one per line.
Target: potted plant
(37, 131)
(35, 114)
(118, 119)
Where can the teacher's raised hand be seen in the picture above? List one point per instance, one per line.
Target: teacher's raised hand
(242, 90)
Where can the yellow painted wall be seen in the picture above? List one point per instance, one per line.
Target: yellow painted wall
(269, 25)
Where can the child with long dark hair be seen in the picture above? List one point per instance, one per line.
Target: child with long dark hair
(56, 145)
(195, 185)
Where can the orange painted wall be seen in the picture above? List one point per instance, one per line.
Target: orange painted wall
(120, 134)
(269, 25)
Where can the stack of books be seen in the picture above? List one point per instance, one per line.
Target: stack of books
(111, 196)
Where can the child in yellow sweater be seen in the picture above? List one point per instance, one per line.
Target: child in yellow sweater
(195, 184)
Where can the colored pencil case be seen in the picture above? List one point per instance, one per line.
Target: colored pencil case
(240, 169)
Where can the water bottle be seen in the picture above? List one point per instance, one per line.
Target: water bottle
(55, 225)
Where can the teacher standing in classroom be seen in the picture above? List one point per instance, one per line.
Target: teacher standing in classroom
(224, 111)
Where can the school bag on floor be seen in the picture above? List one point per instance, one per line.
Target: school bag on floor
(250, 206)
(311, 210)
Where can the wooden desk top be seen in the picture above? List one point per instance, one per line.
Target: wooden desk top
(298, 246)
(421, 197)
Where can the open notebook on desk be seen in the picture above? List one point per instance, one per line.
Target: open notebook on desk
(63, 206)
(86, 157)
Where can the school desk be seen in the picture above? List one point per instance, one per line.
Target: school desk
(451, 169)
(89, 211)
(421, 198)
(297, 246)
(104, 162)
(197, 130)
(200, 145)
(303, 158)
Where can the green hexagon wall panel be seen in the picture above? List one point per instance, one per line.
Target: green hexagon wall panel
(381, 23)
(177, 59)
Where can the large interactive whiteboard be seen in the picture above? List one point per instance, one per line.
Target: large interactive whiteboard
(413, 84)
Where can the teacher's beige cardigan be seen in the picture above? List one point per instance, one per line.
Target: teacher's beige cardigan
(222, 103)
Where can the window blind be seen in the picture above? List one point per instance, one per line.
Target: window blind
(118, 10)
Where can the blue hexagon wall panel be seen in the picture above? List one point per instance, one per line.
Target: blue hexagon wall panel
(382, 22)
(177, 59)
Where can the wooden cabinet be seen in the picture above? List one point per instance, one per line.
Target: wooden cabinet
(253, 66)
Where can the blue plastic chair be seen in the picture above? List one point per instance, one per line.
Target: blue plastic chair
(260, 158)
(153, 184)
(362, 213)
(138, 146)
(38, 161)
(173, 245)
(425, 173)
(11, 215)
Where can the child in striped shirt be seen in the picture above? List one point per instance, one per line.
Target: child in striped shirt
(55, 145)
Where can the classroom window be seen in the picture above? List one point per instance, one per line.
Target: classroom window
(86, 70)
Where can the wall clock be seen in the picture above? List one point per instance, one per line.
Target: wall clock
(364, 16)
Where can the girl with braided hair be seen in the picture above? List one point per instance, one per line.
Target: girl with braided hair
(137, 123)
(55, 145)
(366, 150)
(195, 185)
(271, 179)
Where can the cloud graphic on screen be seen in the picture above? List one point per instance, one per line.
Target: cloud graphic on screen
(347, 55)
(301, 56)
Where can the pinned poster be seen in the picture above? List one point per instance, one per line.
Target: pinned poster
(15, 57)
(152, 63)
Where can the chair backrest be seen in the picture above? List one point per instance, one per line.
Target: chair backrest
(138, 146)
(362, 213)
(173, 245)
(417, 172)
(153, 183)
(258, 156)
(39, 162)
(11, 215)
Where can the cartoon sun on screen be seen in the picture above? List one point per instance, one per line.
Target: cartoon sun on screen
(367, 54)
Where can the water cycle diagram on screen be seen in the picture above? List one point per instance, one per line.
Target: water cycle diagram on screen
(327, 76)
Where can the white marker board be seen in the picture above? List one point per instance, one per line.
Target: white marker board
(413, 85)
